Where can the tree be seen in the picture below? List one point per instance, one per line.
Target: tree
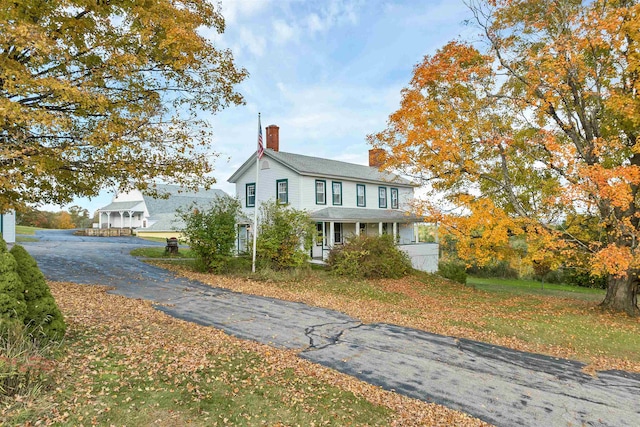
(285, 236)
(43, 317)
(211, 231)
(97, 93)
(80, 216)
(540, 127)
(63, 221)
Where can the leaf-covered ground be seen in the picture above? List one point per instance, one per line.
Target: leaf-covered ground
(560, 327)
(125, 363)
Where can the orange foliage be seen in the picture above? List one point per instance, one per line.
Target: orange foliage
(540, 127)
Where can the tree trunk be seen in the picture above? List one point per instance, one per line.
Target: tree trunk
(622, 294)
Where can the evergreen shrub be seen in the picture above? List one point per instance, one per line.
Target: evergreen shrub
(43, 317)
(12, 304)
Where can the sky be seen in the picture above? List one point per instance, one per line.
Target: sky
(327, 72)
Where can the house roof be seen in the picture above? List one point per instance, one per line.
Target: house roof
(363, 215)
(178, 198)
(316, 166)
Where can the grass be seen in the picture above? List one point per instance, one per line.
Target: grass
(124, 363)
(159, 252)
(24, 229)
(533, 287)
(22, 239)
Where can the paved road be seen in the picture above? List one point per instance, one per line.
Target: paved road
(502, 386)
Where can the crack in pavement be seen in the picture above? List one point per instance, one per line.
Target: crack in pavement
(327, 335)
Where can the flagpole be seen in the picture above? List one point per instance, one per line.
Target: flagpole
(255, 196)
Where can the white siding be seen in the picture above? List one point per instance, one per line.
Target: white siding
(267, 184)
(349, 199)
(424, 256)
(8, 229)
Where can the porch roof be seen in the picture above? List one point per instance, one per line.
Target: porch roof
(363, 215)
(124, 206)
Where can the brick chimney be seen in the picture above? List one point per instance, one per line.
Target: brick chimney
(273, 137)
(376, 157)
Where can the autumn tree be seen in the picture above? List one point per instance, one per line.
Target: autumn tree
(97, 93)
(537, 125)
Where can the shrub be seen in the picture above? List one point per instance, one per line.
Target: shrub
(369, 257)
(584, 279)
(12, 304)
(453, 270)
(212, 232)
(285, 237)
(43, 317)
(500, 269)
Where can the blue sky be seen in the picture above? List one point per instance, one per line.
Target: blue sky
(327, 72)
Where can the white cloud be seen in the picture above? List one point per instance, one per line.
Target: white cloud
(314, 24)
(249, 41)
(332, 13)
(283, 31)
(236, 10)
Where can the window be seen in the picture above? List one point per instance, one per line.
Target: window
(250, 195)
(382, 197)
(394, 198)
(321, 192)
(319, 234)
(336, 188)
(363, 228)
(337, 232)
(360, 194)
(282, 191)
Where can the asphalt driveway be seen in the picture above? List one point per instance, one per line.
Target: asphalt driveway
(499, 385)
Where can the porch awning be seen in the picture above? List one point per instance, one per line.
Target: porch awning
(123, 206)
(364, 215)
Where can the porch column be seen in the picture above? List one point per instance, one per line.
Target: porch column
(99, 219)
(379, 229)
(332, 236)
(130, 219)
(357, 228)
(108, 219)
(395, 231)
(121, 219)
(416, 234)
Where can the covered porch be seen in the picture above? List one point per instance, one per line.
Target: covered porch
(122, 215)
(335, 225)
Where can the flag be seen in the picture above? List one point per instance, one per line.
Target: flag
(260, 146)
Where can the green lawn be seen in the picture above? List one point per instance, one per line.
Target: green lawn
(24, 229)
(159, 252)
(533, 287)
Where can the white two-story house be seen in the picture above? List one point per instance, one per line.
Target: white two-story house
(344, 199)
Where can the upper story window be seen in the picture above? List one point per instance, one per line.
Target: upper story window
(250, 199)
(336, 191)
(321, 192)
(282, 191)
(361, 198)
(394, 198)
(382, 197)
